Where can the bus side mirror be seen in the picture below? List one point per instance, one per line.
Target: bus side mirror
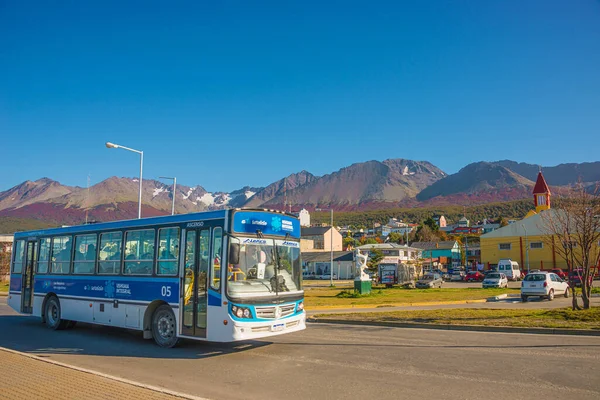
(234, 253)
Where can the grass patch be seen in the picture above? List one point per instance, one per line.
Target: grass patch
(596, 290)
(3, 286)
(556, 318)
(328, 297)
(354, 294)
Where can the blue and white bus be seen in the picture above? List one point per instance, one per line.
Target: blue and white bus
(218, 276)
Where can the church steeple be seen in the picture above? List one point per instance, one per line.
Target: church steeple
(541, 194)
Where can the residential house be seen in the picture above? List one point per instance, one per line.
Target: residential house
(394, 253)
(320, 238)
(319, 263)
(463, 223)
(440, 221)
(6, 242)
(446, 253)
(304, 217)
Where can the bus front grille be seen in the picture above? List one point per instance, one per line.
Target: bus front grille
(271, 312)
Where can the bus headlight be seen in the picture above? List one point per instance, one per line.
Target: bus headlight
(300, 306)
(241, 312)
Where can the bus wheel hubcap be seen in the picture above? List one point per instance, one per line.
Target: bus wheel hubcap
(165, 326)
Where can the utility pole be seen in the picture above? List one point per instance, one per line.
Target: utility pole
(526, 248)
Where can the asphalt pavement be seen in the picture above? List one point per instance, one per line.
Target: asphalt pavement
(329, 362)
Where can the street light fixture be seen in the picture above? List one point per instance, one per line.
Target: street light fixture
(141, 153)
(331, 245)
(174, 179)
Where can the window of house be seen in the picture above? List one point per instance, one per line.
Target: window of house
(44, 257)
(504, 246)
(61, 254)
(19, 255)
(139, 252)
(109, 256)
(85, 254)
(168, 251)
(536, 245)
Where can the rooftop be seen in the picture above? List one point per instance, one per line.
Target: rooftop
(444, 245)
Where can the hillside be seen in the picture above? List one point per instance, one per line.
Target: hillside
(559, 175)
(371, 185)
(513, 209)
(385, 184)
(479, 183)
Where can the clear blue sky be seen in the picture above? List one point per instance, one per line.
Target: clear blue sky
(225, 93)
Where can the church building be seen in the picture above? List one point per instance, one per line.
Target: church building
(522, 241)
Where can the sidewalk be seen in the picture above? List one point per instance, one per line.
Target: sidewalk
(25, 378)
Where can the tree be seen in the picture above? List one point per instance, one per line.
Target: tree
(365, 240)
(572, 228)
(349, 243)
(425, 234)
(431, 224)
(395, 237)
(374, 259)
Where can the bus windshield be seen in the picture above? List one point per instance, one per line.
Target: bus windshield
(266, 267)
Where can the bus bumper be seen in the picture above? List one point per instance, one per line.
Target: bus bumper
(260, 329)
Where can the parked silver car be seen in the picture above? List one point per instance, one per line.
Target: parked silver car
(429, 281)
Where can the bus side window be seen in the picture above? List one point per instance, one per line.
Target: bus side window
(85, 254)
(139, 252)
(19, 255)
(109, 254)
(168, 251)
(61, 254)
(215, 259)
(42, 267)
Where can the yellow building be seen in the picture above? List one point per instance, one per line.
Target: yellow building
(522, 241)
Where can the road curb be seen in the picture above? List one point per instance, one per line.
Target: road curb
(417, 304)
(474, 328)
(107, 376)
(3, 294)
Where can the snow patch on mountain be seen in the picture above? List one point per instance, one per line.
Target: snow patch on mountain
(206, 198)
(157, 191)
(249, 193)
(185, 196)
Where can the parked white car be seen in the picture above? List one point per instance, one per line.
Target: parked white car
(543, 284)
(495, 279)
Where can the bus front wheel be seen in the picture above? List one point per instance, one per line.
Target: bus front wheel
(52, 314)
(164, 325)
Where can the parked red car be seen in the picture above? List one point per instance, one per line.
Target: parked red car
(575, 276)
(560, 273)
(474, 276)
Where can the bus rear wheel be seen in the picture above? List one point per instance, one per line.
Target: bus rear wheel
(52, 314)
(164, 327)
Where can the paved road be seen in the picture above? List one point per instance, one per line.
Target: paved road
(311, 284)
(511, 302)
(330, 362)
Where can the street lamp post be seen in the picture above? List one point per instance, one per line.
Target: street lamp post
(526, 248)
(174, 179)
(331, 247)
(141, 153)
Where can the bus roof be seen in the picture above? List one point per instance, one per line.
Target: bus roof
(130, 223)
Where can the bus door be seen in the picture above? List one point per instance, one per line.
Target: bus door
(195, 282)
(27, 278)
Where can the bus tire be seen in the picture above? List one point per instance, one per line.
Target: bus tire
(52, 314)
(164, 326)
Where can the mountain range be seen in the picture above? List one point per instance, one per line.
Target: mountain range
(361, 186)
